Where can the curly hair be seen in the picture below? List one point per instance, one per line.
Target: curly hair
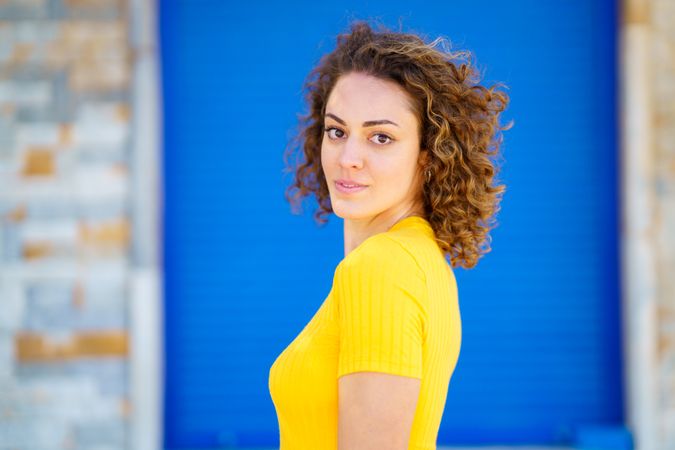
(458, 122)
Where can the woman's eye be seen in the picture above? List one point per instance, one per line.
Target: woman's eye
(336, 133)
(380, 136)
(329, 129)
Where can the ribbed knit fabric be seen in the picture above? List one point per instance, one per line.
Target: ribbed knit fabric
(393, 308)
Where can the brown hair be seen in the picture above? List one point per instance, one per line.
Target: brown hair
(459, 126)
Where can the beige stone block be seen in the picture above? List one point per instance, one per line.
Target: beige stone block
(79, 295)
(663, 17)
(123, 112)
(107, 234)
(664, 143)
(17, 214)
(663, 68)
(52, 239)
(38, 161)
(66, 134)
(635, 11)
(37, 347)
(670, 382)
(37, 250)
(125, 407)
(57, 55)
(7, 110)
(99, 75)
(666, 311)
(665, 343)
(95, 3)
(95, 40)
(80, 34)
(21, 54)
(665, 245)
(85, 44)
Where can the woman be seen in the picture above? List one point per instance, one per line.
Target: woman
(397, 143)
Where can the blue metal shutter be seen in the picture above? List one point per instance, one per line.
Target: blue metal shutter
(541, 356)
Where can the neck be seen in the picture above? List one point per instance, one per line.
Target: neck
(358, 230)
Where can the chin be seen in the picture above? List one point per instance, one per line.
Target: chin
(345, 212)
(351, 213)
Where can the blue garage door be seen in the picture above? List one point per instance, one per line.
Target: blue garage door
(541, 355)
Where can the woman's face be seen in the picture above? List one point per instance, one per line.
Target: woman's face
(371, 138)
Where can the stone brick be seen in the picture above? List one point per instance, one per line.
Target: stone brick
(126, 407)
(103, 58)
(34, 31)
(17, 214)
(36, 94)
(7, 110)
(7, 360)
(24, 9)
(635, 11)
(39, 161)
(66, 134)
(79, 305)
(107, 374)
(95, 3)
(94, 9)
(101, 432)
(87, 130)
(113, 233)
(34, 347)
(13, 306)
(6, 41)
(37, 250)
(101, 181)
(99, 75)
(45, 133)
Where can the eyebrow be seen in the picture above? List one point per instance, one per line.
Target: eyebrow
(367, 123)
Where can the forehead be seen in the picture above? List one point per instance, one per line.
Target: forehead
(359, 97)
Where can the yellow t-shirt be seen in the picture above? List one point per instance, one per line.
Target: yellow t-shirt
(393, 308)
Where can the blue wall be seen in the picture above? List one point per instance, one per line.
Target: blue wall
(541, 355)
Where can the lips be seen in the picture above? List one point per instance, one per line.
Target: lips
(349, 183)
(345, 188)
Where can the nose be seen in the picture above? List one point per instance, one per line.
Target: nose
(351, 154)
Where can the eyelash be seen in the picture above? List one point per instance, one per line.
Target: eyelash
(376, 134)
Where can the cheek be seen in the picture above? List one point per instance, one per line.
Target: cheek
(391, 170)
(329, 159)
(324, 158)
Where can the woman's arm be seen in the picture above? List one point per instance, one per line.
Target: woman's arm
(376, 410)
(381, 303)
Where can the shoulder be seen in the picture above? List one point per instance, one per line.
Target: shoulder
(384, 253)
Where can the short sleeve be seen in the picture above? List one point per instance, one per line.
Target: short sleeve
(380, 292)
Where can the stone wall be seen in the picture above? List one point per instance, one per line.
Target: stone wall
(662, 73)
(65, 109)
(648, 219)
(65, 220)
